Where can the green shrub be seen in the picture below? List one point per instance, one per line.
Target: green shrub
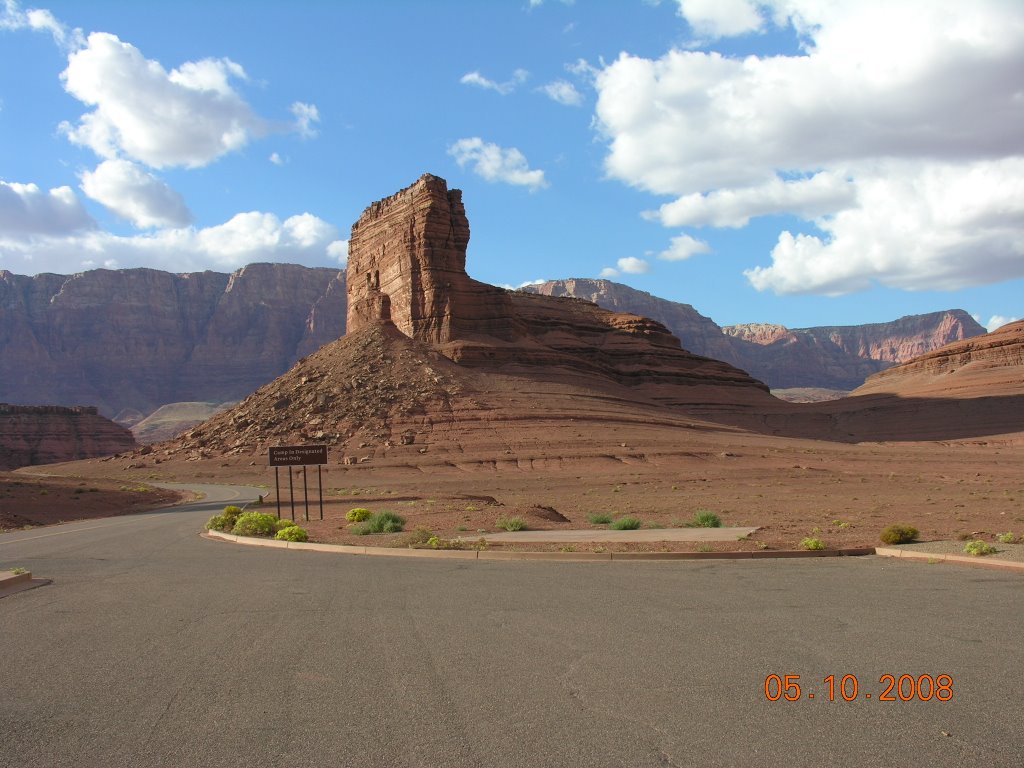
(627, 523)
(292, 533)
(219, 523)
(358, 514)
(599, 518)
(255, 524)
(1006, 538)
(979, 548)
(511, 524)
(380, 522)
(810, 543)
(705, 518)
(231, 513)
(280, 525)
(899, 534)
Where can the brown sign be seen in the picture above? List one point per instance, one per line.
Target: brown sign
(297, 455)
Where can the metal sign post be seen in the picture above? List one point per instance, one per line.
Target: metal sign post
(299, 456)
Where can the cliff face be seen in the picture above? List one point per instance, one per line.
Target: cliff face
(46, 434)
(140, 338)
(984, 366)
(836, 357)
(407, 264)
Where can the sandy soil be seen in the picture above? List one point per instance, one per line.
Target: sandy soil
(27, 500)
(844, 494)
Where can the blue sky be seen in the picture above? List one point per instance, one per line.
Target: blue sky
(792, 161)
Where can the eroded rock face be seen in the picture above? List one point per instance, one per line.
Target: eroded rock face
(981, 366)
(44, 434)
(411, 249)
(140, 338)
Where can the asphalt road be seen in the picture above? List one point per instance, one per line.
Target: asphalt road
(155, 647)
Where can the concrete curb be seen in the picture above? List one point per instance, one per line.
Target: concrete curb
(472, 554)
(11, 583)
(933, 557)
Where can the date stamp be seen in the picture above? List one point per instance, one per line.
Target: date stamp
(848, 688)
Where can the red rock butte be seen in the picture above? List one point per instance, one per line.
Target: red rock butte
(407, 265)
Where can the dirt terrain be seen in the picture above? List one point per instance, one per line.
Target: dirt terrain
(28, 500)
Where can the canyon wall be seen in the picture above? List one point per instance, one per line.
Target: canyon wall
(140, 338)
(44, 434)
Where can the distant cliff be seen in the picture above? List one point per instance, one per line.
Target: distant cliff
(834, 357)
(140, 338)
(44, 434)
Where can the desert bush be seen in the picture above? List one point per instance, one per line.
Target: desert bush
(979, 548)
(599, 518)
(627, 523)
(292, 533)
(899, 534)
(811, 543)
(511, 524)
(380, 522)
(255, 524)
(219, 523)
(280, 525)
(1006, 538)
(705, 518)
(358, 514)
(232, 513)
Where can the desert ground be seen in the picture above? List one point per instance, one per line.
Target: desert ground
(844, 494)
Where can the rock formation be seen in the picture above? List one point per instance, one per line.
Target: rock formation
(982, 366)
(835, 357)
(411, 248)
(44, 434)
(140, 338)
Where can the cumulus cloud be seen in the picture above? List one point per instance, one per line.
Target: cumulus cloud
(338, 250)
(494, 163)
(26, 210)
(187, 117)
(135, 195)
(243, 239)
(563, 92)
(895, 134)
(276, 159)
(519, 77)
(683, 247)
(998, 321)
(609, 272)
(721, 18)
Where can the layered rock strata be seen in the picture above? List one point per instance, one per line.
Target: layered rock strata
(36, 434)
(411, 249)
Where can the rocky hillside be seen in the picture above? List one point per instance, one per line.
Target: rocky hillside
(46, 434)
(987, 366)
(834, 357)
(140, 338)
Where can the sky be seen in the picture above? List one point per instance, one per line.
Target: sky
(803, 162)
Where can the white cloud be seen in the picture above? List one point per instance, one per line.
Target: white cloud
(131, 193)
(276, 159)
(896, 134)
(584, 70)
(305, 117)
(721, 18)
(519, 77)
(188, 117)
(683, 247)
(338, 250)
(609, 272)
(245, 238)
(809, 198)
(494, 163)
(26, 210)
(12, 17)
(631, 265)
(998, 321)
(563, 92)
